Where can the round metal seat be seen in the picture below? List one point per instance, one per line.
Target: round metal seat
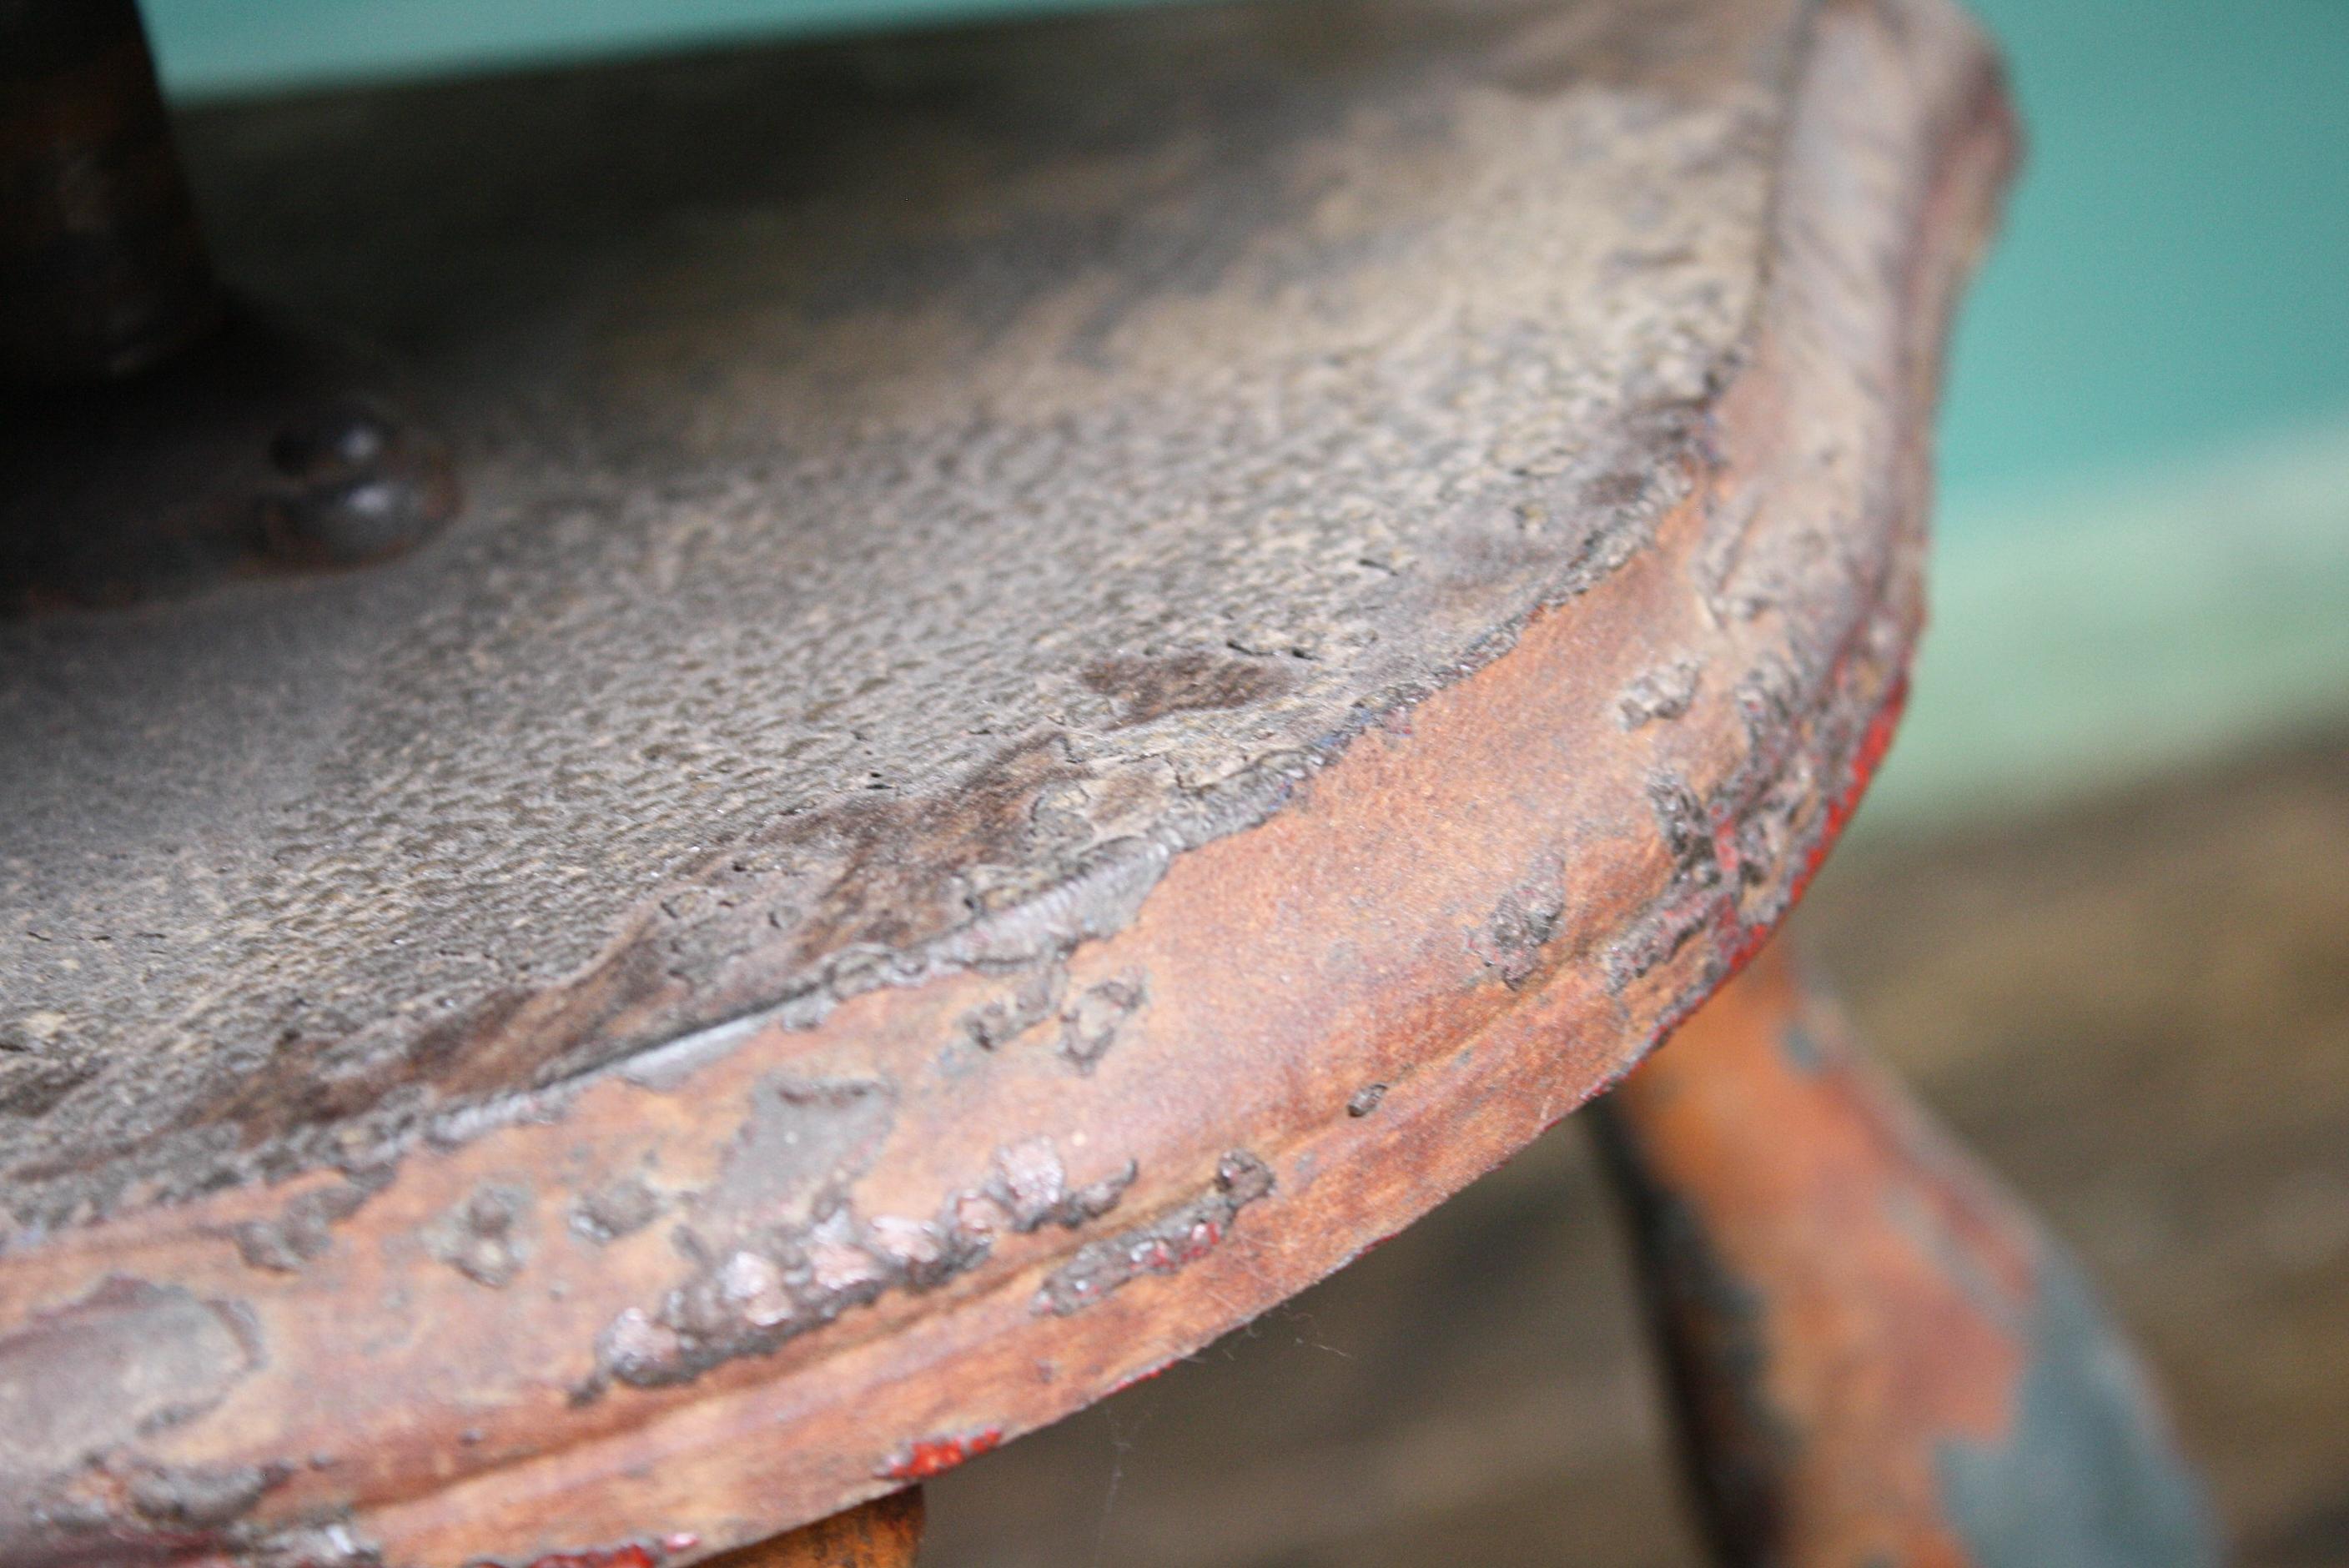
(1084, 666)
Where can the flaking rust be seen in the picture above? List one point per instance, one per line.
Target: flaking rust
(1522, 923)
(1744, 850)
(304, 1229)
(1093, 1021)
(770, 1276)
(487, 1237)
(1789, 1294)
(618, 1208)
(1662, 692)
(1183, 1235)
(204, 1497)
(1034, 998)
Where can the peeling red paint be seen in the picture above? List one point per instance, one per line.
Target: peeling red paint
(634, 1554)
(1866, 758)
(1132, 1379)
(926, 1457)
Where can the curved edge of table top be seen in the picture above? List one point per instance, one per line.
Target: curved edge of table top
(1478, 915)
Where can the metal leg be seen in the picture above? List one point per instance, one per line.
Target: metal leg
(884, 1533)
(102, 270)
(153, 440)
(1880, 1358)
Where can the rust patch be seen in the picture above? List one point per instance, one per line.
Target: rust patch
(706, 949)
(1034, 1000)
(1808, 1240)
(762, 1283)
(926, 1457)
(1745, 852)
(1151, 688)
(617, 1209)
(1664, 692)
(1090, 1025)
(487, 1238)
(1181, 1236)
(126, 1358)
(1029, 1185)
(1511, 939)
(304, 1229)
(202, 1497)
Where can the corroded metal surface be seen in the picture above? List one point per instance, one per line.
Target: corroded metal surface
(1880, 1356)
(1087, 666)
(898, 532)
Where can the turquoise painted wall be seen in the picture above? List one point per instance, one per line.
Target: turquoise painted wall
(2175, 267)
(2145, 451)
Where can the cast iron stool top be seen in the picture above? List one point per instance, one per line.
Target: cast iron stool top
(1086, 664)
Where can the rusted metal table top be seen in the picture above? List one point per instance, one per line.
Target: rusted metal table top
(1086, 664)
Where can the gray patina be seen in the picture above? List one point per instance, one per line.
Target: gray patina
(1109, 455)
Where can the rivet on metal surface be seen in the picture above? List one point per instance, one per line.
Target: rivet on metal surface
(357, 490)
(102, 268)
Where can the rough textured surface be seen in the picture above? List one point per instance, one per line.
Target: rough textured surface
(944, 476)
(1039, 610)
(2135, 1009)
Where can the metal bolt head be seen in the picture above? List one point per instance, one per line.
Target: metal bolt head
(349, 438)
(357, 486)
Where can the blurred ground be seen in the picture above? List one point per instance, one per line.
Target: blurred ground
(2137, 1010)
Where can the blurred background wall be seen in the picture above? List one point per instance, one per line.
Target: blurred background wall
(2095, 908)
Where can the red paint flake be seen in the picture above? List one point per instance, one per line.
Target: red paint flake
(1866, 758)
(634, 1555)
(1199, 1242)
(1144, 1376)
(925, 1457)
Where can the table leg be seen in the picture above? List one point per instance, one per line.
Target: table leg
(884, 1533)
(102, 271)
(1880, 1359)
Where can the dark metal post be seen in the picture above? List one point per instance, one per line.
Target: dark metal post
(102, 268)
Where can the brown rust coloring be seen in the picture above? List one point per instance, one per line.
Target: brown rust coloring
(487, 1237)
(884, 1533)
(1182, 1236)
(1877, 1356)
(304, 1228)
(725, 808)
